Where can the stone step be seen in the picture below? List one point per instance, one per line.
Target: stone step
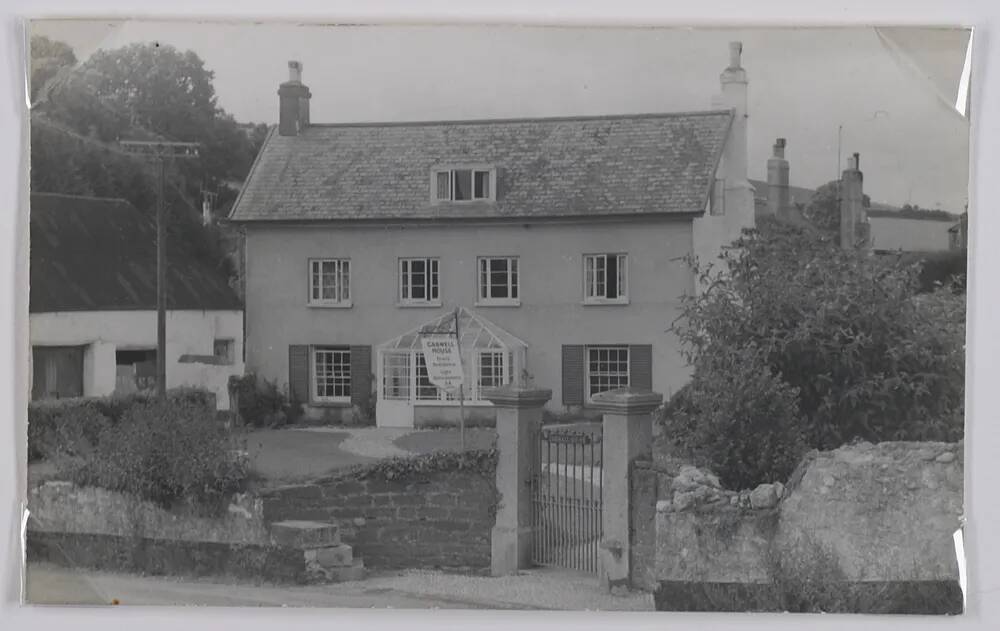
(305, 534)
(353, 572)
(318, 574)
(331, 556)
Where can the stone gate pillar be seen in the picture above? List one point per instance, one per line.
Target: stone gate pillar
(628, 435)
(519, 415)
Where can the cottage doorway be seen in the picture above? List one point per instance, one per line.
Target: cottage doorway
(57, 372)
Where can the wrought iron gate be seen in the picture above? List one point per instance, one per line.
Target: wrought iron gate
(566, 498)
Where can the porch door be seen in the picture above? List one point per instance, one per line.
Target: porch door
(57, 372)
(396, 379)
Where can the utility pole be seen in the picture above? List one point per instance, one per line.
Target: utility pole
(160, 152)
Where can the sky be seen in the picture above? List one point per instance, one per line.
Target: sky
(889, 94)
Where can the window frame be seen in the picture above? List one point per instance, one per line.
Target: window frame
(588, 372)
(717, 198)
(230, 357)
(623, 280)
(483, 299)
(419, 391)
(473, 169)
(503, 367)
(393, 394)
(429, 262)
(341, 301)
(314, 351)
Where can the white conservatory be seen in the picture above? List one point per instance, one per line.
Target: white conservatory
(491, 357)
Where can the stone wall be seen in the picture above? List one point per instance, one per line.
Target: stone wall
(887, 511)
(66, 508)
(647, 480)
(434, 519)
(879, 515)
(92, 527)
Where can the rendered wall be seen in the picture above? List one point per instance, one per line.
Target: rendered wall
(105, 332)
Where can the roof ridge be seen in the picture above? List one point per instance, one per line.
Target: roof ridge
(77, 196)
(526, 119)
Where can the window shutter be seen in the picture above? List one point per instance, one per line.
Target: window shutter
(572, 374)
(640, 360)
(298, 372)
(361, 375)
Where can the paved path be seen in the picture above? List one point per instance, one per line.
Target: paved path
(537, 589)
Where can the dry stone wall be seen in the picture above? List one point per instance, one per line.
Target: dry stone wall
(884, 512)
(436, 519)
(887, 511)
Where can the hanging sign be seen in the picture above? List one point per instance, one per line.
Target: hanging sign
(444, 363)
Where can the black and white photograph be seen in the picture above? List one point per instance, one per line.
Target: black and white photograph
(427, 316)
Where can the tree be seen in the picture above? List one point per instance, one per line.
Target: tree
(48, 57)
(146, 92)
(845, 334)
(823, 209)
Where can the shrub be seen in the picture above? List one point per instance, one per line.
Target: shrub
(166, 451)
(738, 418)
(64, 427)
(938, 269)
(866, 356)
(261, 403)
(57, 426)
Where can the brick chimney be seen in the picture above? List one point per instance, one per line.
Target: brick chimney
(778, 197)
(854, 231)
(293, 102)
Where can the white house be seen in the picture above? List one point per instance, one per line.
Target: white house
(93, 305)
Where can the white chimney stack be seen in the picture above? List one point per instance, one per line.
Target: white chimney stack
(738, 190)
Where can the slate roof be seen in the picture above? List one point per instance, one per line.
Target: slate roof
(90, 253)
(546, 167)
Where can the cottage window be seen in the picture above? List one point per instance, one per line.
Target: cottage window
(498, 281)
(418, 281)
(463, 185)
(605, 278)
(331, 374)
(607, 368)
(426, 391)
(491, 370)
(222, 349)
(330, 282)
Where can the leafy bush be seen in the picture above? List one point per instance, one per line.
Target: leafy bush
(938, 269)
(738, 418)
(866, 357)
(261, 403)
(64, 427)
(57, 427)
(166, 451)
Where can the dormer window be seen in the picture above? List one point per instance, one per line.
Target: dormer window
(463, 184)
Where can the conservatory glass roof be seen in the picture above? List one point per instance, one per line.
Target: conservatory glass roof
(476, 333)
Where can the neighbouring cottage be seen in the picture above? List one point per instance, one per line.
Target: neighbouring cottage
(958, 234)
(561, 242)
(889, 229)
(911, 230)
(92, 305)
